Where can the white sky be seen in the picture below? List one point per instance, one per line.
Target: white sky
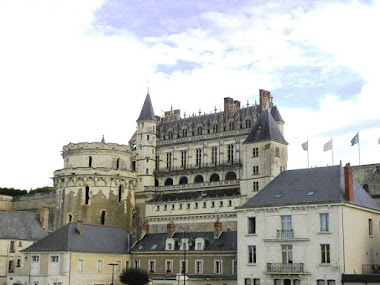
(69, 75)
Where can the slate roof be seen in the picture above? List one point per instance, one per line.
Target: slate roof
(147, 112)
(227, 241)
(296, 186)
(276, 114)
(265, 129)
(96, 239)
(193, 195)
(20, 226)
(362, 278)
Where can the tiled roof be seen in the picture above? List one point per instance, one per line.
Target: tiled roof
(276, 114)
(22, 226)
(309, 186)
(156, 242)
(147, 112)
(97, 239)
(265, 129)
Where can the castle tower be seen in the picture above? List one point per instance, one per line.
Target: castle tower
(96, 185)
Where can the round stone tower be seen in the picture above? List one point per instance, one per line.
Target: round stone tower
(96, 185)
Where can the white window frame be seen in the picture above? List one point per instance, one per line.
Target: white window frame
(325, 223)
(168, 269)
(252, 258)
(82, 266)
(100, 268)
(218, 269)
(200, 271)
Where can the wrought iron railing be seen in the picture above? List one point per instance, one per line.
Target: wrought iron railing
(370, 268)
(285, 234)
(285, 267)
(236, 162)
(193, 185)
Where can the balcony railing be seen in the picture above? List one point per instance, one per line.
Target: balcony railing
(236, 162)
(285, 267)
(285, 234)
(371, 269)
(193, 185)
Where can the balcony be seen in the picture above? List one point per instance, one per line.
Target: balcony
(285, 234)
(203, 185)
(285, 268)
(371, 269)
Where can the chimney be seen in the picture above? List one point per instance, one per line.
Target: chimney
(80, 227)
(237, 104)
(228, 106)
(218, 228)
(348, 183)
(145, 226)
(44, 217)
(264, 97)
(170, 229)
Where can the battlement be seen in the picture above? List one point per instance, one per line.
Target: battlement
(95, 146)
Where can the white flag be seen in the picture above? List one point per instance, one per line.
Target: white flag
(378, 141)
(305, 145)
(327, 145)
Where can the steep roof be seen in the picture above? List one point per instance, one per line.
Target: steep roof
(276, 114)
(97, 239)
(226, 241)
(147, 112)
(265, 129)
(310, 186)
(22, 226)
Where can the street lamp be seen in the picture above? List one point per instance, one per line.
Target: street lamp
(184, 243)
(113, 267)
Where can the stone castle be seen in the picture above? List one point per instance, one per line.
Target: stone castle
(189, 170)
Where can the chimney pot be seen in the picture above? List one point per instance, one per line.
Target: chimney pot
(44, 217)
(170, 229)
(218, 228)
(348, 183)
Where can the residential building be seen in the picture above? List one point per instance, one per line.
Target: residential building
(75, 254)
(182, 254)
(17, 232)
(308, 226)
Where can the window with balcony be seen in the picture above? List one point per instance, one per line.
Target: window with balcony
(325, 253)
(252, 225)
(286, 227)
(287, 254)
(324, 218)
(252, 254)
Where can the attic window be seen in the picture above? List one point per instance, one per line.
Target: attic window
(141, 246)
(154, 246)
(311, 193)
(278, 195)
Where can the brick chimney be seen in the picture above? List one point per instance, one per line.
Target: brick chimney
(170, 229)
(228, 106)
(264, 97)
(237, 104)
(348, 183)
(145, 226)
(80, 227)
(218, 228)
(44, 217)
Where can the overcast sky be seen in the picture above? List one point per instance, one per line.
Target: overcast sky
(72, 71)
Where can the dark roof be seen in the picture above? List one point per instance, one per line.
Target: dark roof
(265, 129)
(276, 114)
(22, 226)
(147, 112)
(98, 239)
(198, 277)
(309, 186)
(226, 241)
(186, 196)
(361, 278)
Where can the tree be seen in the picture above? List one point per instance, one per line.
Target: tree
(134, 276)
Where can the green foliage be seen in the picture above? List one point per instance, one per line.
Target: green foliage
(134, 276)
(17, 192)
(45, 189)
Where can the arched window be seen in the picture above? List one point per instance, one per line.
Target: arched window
(366, 188)
(156, 183)
(69, 217)
(103, 217)
(90, 161)
(118, 163)
(183, 180)
(120, 191)
(168, 181)
(231, 176)
(198, 179)
(87, 197)
(214, 177)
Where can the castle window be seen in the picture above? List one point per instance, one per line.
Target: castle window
(118, 163)
(221, 204)
(214, 178)
(231, 176)
(366, 188)
(184, 133)
(200, 131)
(156, 183)
(198, 156)
(255, 186)
(165, 207)
(247, 123)
(183, 180)
(214, 155)
(157, 161)
(204, 204)
(196, 205)
(198, 179)
(168, 181)
(230, 153)
(188, 205)
(215, 128)
(147, 137)
(255, 152)
(120, 191)
(170, 135)
(87, 196)
(173, 206)
(183, 158)
(146, 171)
(69, 217)
(277, 152)
(158, 208)
(103, 217)
(180, 206)
(212, 204)
(133, 166)
(232, 126)
(169, 160)
(229, 203)
(255, 170)
(90, 161)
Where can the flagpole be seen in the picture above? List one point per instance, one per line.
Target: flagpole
(332, 151)
(359, 147)
(308, 154)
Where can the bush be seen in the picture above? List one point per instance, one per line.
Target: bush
(134, 276)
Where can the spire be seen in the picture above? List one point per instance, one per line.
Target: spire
(147, 112)
(276, 114)
(103, 141)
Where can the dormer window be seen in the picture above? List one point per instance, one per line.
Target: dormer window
(199, 244)
(170, 242)
(184, 244)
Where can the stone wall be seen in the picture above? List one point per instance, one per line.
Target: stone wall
(6, 202)
(368, 176)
